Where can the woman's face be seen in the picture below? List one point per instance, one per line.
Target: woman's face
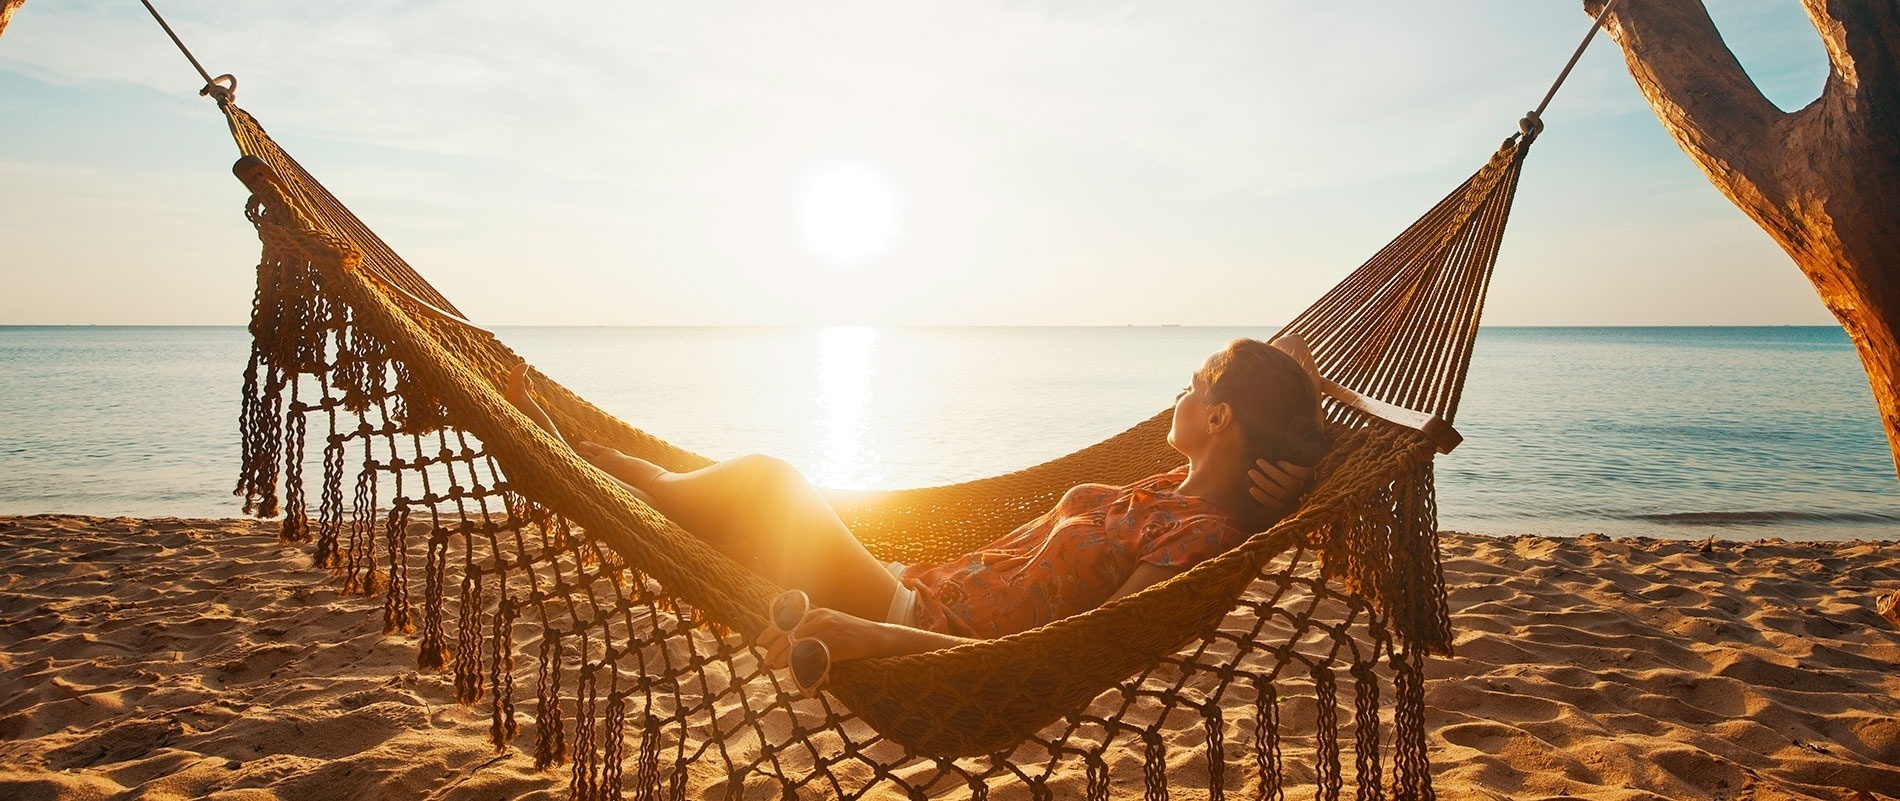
(1189, 429)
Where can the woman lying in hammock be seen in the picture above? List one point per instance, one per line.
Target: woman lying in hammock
(1247, 423)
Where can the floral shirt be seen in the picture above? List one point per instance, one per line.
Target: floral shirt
(1071, 559)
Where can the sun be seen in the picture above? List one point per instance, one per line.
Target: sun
(848, 214)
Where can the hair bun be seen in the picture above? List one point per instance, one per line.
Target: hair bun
(1306, 441)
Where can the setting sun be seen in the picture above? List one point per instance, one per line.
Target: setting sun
(847, 214)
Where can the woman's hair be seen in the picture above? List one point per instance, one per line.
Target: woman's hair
(1273, 400)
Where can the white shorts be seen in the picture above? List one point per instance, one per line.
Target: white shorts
(903, 610)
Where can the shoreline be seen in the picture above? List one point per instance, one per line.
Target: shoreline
(188, 656)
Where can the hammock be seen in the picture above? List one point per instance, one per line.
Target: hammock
(650, 625)
(638, 632)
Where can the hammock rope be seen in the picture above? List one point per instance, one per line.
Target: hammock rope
(222, 88)
(1537, 115)
(512, 561)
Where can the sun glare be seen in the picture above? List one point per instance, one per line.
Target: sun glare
(848, 214)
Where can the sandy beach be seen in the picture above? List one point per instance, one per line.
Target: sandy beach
(173, 658)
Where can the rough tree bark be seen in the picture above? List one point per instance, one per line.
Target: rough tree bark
(7, 7)
(1823, 181)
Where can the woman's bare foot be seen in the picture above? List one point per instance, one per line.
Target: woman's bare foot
(520, 389)
(634, 473)
(633, 470)
(520, 392)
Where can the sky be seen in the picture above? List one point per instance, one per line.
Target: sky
(821, 163)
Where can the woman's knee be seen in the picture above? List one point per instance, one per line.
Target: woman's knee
(769, 472)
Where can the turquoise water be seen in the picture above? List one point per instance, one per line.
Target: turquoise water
(1674, 432)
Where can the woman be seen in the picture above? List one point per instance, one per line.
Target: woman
(1247, 423)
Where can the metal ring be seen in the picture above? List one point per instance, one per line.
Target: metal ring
(1531, 125)
(222, 88)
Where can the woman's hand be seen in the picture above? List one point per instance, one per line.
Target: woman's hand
(846, 636)
(1278, 487)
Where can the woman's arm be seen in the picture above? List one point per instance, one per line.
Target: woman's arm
(1146, 574)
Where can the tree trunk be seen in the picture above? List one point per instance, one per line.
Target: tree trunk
(1823, 181)
(7, 7)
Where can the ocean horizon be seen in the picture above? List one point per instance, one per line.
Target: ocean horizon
(1737, 432)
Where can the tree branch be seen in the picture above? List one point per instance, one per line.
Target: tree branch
(1862, 38)
(1706, 100)
(1694, 82)
(7, 7)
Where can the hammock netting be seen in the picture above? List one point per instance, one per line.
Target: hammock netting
(373, 423)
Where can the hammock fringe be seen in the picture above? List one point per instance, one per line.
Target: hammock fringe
(633, 619)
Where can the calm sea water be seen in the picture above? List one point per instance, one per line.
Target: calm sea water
(1674, 432)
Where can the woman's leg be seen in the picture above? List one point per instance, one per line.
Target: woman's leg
(763, 508)
(754, 509)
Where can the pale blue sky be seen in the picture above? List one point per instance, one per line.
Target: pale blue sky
(1048, 163)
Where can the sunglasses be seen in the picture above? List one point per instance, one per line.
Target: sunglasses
(810, 659)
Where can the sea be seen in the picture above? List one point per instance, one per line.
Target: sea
(1735, 433)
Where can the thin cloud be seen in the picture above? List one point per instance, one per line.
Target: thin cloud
(1058, 149)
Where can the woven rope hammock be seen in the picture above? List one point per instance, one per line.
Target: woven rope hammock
(525, 572)
(508, 556)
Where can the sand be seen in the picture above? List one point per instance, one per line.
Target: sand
(175, 658)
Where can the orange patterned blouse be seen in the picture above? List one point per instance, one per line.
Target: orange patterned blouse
(1071, 559)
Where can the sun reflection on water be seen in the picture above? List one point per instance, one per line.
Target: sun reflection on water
(845, 368)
